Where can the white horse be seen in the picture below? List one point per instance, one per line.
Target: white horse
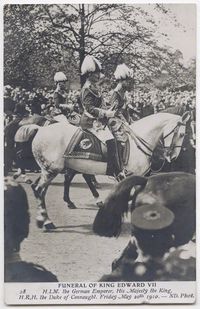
(50, 144)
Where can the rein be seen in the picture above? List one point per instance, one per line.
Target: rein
(136, 138)
(173, 130)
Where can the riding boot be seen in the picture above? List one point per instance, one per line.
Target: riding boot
(121, 172)
(113, 167)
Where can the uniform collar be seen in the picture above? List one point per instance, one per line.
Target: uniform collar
(93, 89)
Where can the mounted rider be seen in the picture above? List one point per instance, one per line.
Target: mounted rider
(60, 95)
(10, 130)
(94, 116)
(118, 102)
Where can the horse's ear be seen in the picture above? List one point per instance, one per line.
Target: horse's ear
(186, 117)
(109, 218)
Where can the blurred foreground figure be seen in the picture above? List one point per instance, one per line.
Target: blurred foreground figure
(163, 228)
(16, 229)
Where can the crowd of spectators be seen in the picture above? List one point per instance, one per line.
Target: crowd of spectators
(43, 96)
(141, 102)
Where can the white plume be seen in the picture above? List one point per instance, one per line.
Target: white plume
(59, 77)
(90, 64)
(123, 72)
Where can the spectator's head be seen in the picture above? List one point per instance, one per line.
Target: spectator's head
(20, 109)
(16, 216)
(36, 108)
(7, 90)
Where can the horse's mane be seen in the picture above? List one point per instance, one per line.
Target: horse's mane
(149, 120)
(176, 110)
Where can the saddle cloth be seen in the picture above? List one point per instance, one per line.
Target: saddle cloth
(85, 145)
(25, 132)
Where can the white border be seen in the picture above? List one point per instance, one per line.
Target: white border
(197, 305)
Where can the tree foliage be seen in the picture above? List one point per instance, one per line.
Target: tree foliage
(42, 39)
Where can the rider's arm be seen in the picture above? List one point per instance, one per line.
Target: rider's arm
(115, 101)
(88, 103)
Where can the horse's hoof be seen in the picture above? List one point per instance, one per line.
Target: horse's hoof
(96, 194)
(72, 206)
(39, 224)
(49, 226)
(99, 204)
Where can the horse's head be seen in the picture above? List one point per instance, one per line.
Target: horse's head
(173, 136)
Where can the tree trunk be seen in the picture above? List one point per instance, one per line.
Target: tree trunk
(82, 42)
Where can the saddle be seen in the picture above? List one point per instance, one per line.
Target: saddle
(86, 145)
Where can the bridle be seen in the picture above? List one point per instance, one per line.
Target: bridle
(175, 131)
(144, 145)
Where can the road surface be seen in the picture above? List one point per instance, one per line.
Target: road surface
(72, 252)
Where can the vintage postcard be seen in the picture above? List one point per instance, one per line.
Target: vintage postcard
(99, 153)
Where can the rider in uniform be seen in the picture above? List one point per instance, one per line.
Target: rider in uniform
(60, 95)
(93, 113)
(124, 77)
(10, 130)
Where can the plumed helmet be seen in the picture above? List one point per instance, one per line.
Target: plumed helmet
(90, 64)
(123, 72)
(60, 77)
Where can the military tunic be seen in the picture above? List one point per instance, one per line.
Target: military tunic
(118, 103)
(91, 101)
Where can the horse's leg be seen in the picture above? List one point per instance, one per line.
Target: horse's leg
(95, 182)
(40, 188)
(68, 179)
(90, 182)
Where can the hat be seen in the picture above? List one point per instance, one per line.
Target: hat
(123, 72)
(60, 77)
(8, 87)
(90, 64)
(152, 217)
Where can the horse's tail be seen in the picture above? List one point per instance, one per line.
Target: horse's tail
(109, 217)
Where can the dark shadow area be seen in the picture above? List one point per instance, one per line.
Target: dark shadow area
(84, 185)
(126, 229)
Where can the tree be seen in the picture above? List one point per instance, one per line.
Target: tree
(40, 39)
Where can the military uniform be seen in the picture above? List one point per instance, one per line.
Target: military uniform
(59, 98)
(118, 103)
(91, 100)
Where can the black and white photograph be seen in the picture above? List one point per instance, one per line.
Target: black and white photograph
(99, 120)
